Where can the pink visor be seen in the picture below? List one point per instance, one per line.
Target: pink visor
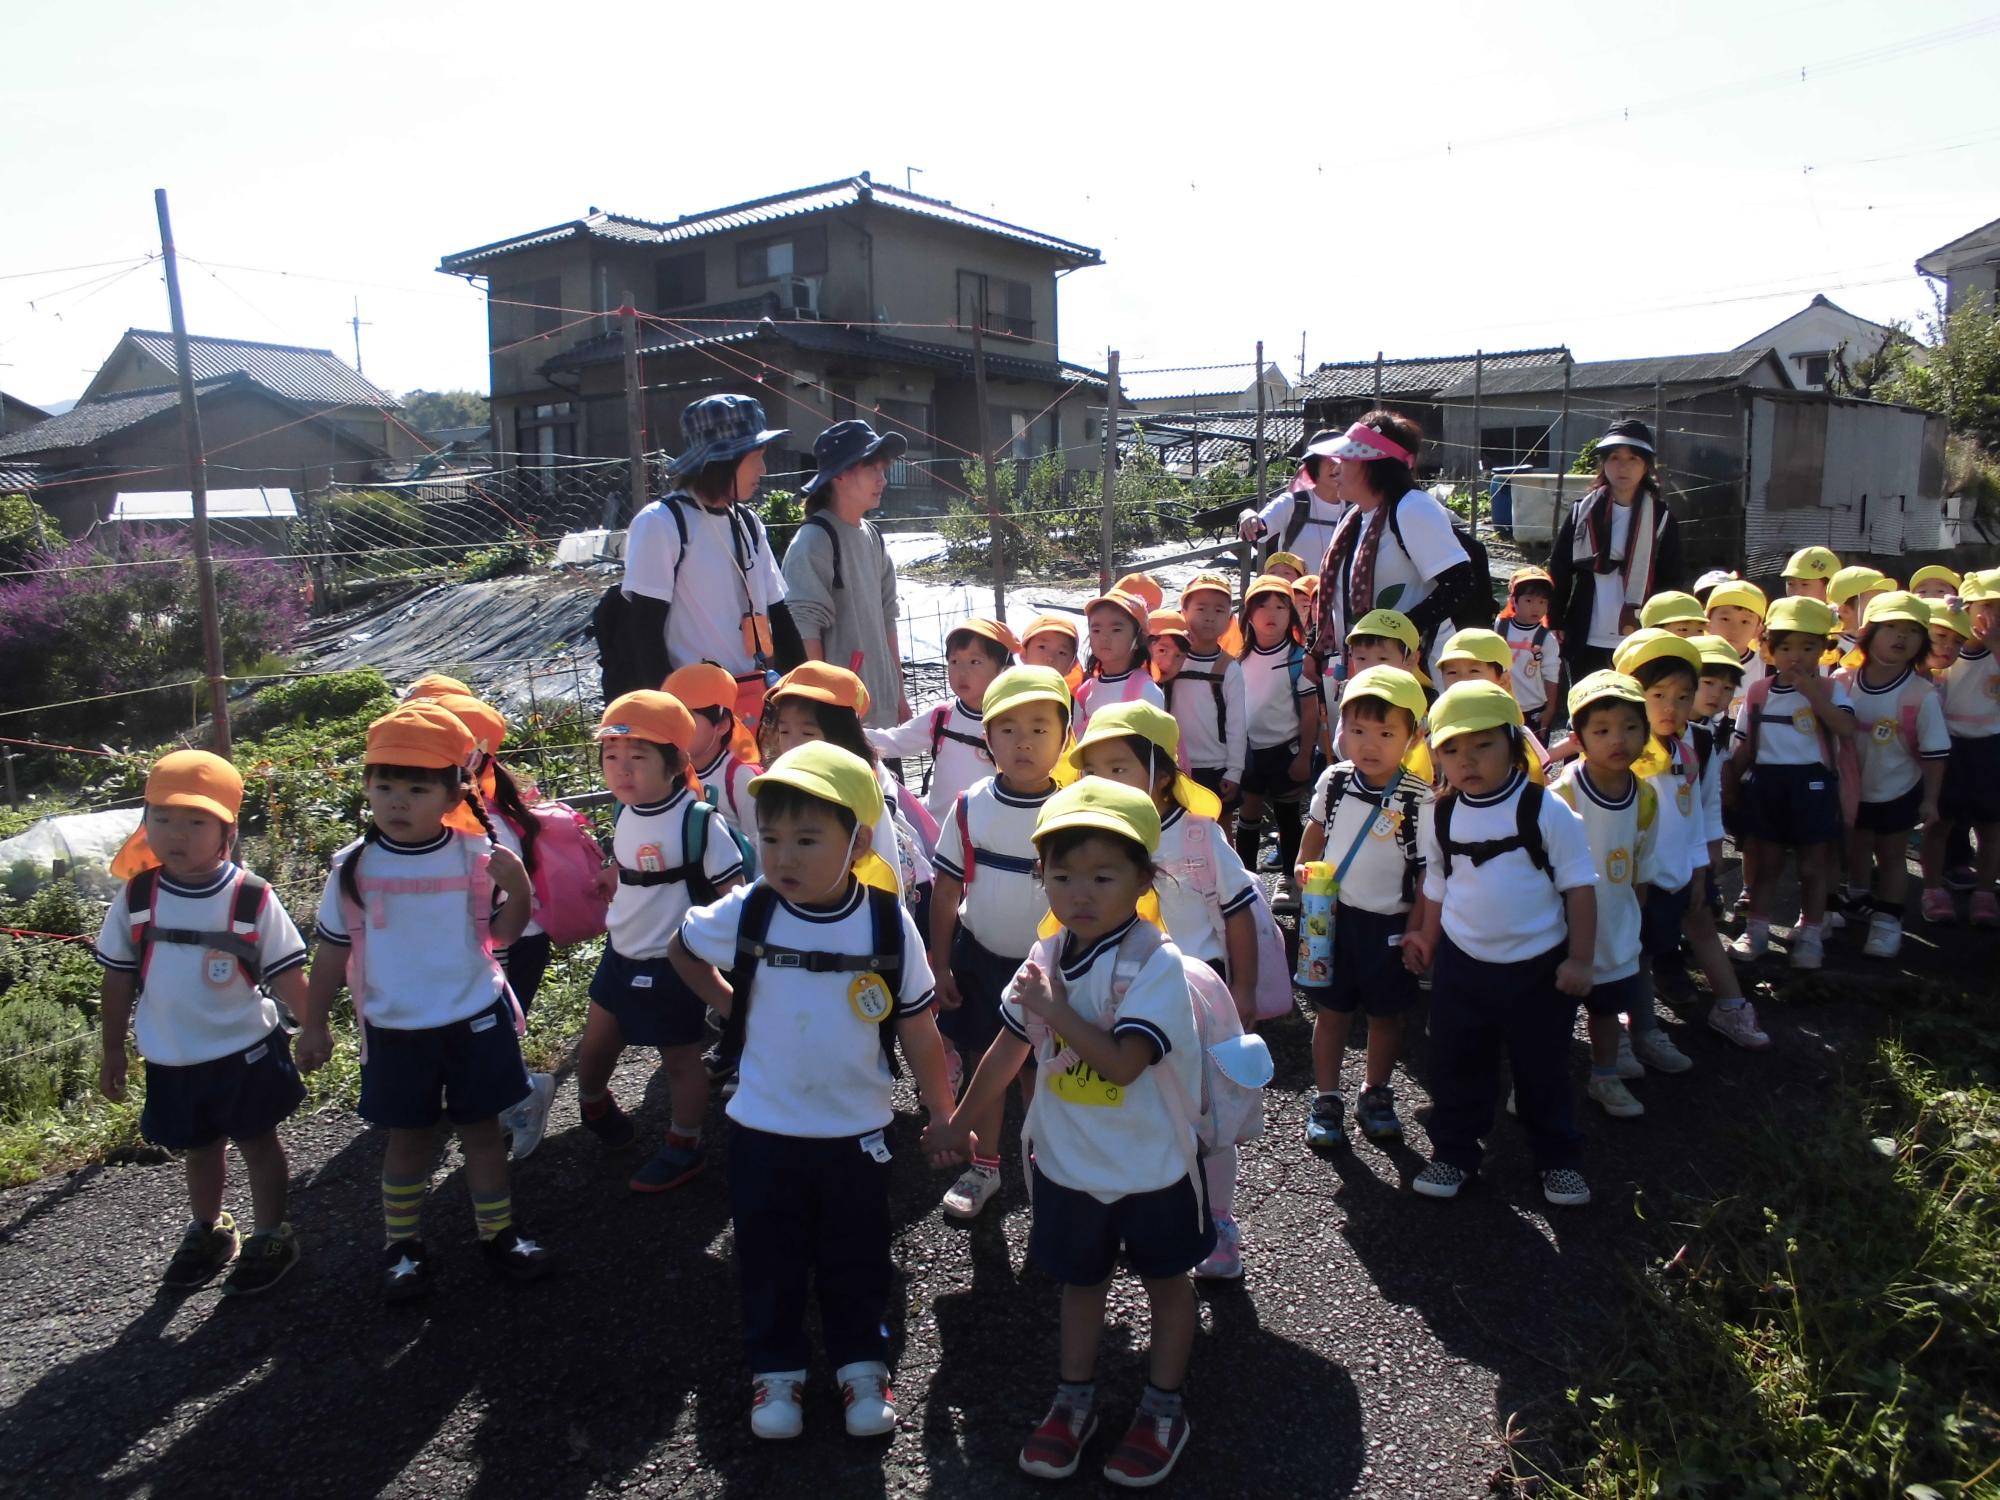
(1366, 443)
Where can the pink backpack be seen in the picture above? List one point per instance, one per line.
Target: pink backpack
(1274, 970)
(567, 859)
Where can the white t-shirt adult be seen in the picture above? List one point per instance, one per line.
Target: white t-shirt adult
(1972, 694)
(1322, 519)
(1505, 911)
(1889, 768)
(812, 1066)
(1193, 703)
(1790, 733)
(1193, 854)
(1406, 574)
(729, 571)
(1622, 844)
(649, 838)
(1379, 873)
(1002, 907)
(1272, 694)
(197, 1004)
(1093, 1136)
(423, 963)
(1607, 603)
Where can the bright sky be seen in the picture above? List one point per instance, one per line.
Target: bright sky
(1625, 180)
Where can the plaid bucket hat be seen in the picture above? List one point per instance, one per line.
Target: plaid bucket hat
(718, 428)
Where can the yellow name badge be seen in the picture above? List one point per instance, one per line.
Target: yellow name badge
(1618, 867)
(1802, 720)
(219, 969)
(1884, 731)
(1083, 1084)
(868, 995)
(1684, 798)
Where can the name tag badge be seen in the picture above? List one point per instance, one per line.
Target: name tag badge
(1884, 731)
(1618, 867)
(1083, 1084)
(876, 1146)
(1384, 826)
(1684, 798)
(484, 1023)
(1802, 720)
(869, 998)
(219, 969)
(650, 859)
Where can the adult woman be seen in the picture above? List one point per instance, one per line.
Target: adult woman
(839, 579)
(1618, 546)
(1303, 516)
(1394, 549)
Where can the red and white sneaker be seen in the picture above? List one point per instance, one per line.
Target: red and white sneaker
(870, 1404)
(1148, 1451)
(1053, 1449)
(774, 1404)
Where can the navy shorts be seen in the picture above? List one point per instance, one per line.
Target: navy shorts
(1618, 996)
(982, 977)
(650, 1002)
(1368, 972)
(1897, 815)
(1212, 777)
(1660, 922)
(1267, 772)
(1077, 1239)
(236, 1098)
(465, 1072)
(1972, 781)
(1795, 807)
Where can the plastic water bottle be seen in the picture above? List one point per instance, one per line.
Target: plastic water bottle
(1316, 926)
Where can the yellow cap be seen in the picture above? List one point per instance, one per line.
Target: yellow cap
(1208, 582)
(1305, 587)
(1388, 623)
(1468, 707)
(1798, 613)
(487, 723)
(660, 718)
(830, 773)
(434, 685)
(1474, 644)
(1107, 806)
(1599, 686)
(1117, 721)
(1141, 586)
(1897, 606)
(1812, 562)
(1643, 646)
(1980, 588)
(1390, 684)
(1851, 583)
(1279, 560)
(1957, 621)
(1742, 594)
(1672, 608)
(1023, 685)
(1716, 652)
(1933, 573)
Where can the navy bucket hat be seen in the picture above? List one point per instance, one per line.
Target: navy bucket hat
(845, 444)
(718, 428)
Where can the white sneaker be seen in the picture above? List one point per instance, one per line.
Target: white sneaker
(976, 1187)
(1565, 1188)
(1628, 1064)
(1807, 950)
(1616, 1099)
(1885, 937)
(1657, 1051)
(871, 1405)
(1755, 942)
(528, 1121)
(774, 1404)
(1739, 1024)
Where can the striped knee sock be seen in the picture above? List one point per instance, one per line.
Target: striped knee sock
(491, 1215)
(402, 1202)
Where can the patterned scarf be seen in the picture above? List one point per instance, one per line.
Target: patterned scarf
(1593, 542)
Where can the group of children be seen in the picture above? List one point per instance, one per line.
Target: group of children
(1076, 872)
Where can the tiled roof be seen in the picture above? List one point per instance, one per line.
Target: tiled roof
(1404, 377)
(1220, 437)
(1606, 374)
(90, 422)
(18, 478)
(849, 193)
(312, 376)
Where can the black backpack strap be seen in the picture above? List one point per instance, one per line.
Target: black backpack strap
(1443, 828)
(750, 934)
(885, 914)
(820, 520)
(753, 947)
(1528, 827)
(1214, 681)
(1527, 835)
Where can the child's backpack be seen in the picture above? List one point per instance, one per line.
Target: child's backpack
(940, 732)
(753, 947)
(1017, 864)
(695, 834)
(1838, 755)
(919, 818)
(711, 794)
(568, 858)
(246, 904)
(1527, 835)
(1474, 604)
(1214, 681)
(1407, 795)
(1274, 969)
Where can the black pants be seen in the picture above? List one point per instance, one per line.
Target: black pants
(809, 1207)
(1479, 1010)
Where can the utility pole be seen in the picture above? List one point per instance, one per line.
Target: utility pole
(358, 325)
(1111, 470)
(1562, 446)
(197, 467)
(1660, 434)
(1258, 450)
(988, 457)
(1302, 356)
(635, 417)
(1378, 377)
(1478, 418)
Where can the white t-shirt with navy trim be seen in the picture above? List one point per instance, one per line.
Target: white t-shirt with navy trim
(1680, 844)
(729, 780)
(1755, 669)
(1193, 853)
(1972, 694)
(1790, 733)
(1376, 877)
(1536, 672)
(1623, 852)
(1095, 1137)
(812, 1065)
(712, 591)
(196, 1004)
(1888, 768)
(1505, 911)
(1192, 703)
(1271, 697)
(1135, 686)
(424, 963)
(653, 836)
(957, 765)
(1002, 909)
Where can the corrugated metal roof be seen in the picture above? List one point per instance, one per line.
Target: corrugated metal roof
(1607, 374)
(1403, 377)
(222, 505)
(298, 374)
(781, 206)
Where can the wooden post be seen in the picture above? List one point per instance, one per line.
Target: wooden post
(1263, 477)
(197, 466)
(635, 419)
(1660, 434)
(987, 456)
(1106, 541)
(1378, 377)
(1562, 445)
(1478, 423)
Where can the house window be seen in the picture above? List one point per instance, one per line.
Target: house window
(911, 418)
(800, 253)
(1011, 432)
(528, 308)
(544, 435)
(680, 281)
(1010, 309)
(1813, 368)
(1501, 446)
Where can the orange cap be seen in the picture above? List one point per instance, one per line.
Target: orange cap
(487, 723)
(1305, 588)
(197, 780)
(421, 734)
(1141, 586)
(650, 715)
(822, 682)
(1268, 583)
(702, 684)
(993, 630)
(436, 685)
(1047, 624)
(1166, 622)
(1132, 604)
(1208, 581)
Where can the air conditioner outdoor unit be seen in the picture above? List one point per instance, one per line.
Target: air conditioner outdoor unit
(799, 296)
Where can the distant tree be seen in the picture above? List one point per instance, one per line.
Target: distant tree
(1954, 372)
(429, 410)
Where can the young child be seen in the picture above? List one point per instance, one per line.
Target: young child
(1849, 592)
(724, 756)
(1951, 629)
(1054, 641)
(1620, 812)
(1736, 613)
(1365, 811)
(1214, 721)
(1971, 793)
(1902, 746)
(1534, 648)
(668, 855)
(1119, 656)
(1935, 584)
(808, 1158)
(1674, 612)
(1788, 797)
(200, 939)
(408, 924)
(1475, 655)
(1166, 646)
(1282, 724)
(1286, 565)
(1508, 932)
(1809, 572)
(434, 685)
(1721, 673)
(1114, 1162)
(987, 906)
(1207, 900)
(950, 730)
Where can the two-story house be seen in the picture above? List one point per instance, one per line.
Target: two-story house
(851, 298)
